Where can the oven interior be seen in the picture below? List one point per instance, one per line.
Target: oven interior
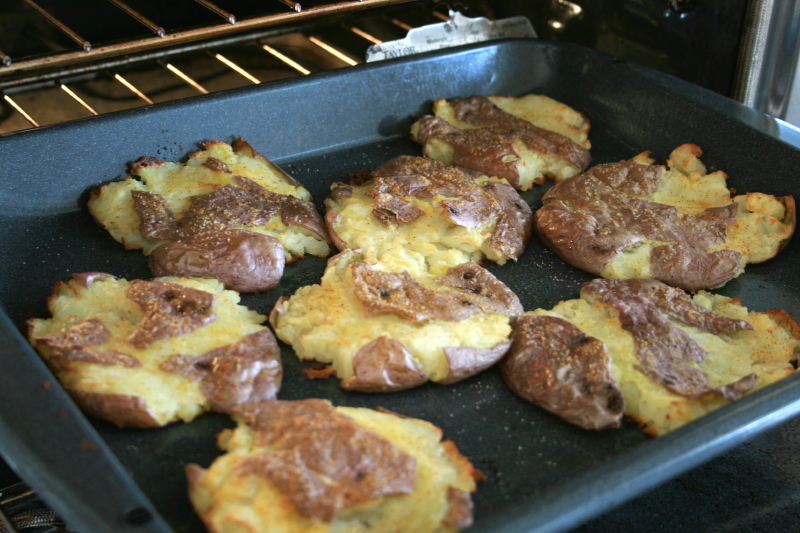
(66, 60)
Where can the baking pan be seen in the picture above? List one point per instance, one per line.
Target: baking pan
(542, 473)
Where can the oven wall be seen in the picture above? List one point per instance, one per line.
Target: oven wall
(696, 40)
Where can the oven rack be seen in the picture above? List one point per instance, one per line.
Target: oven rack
(22, 511)
(90, 79)
(82, 50)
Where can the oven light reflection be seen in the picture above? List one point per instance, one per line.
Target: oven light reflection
(130, 86)
(78, 99)
(367, 36)
(186, 78)
(21, 111)
(286, 60)
(575, 8)
(238, 69)
(333, 51)
(402, 24)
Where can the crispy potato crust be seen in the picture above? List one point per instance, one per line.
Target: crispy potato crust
(385, 327)
(306, 466)
(673, 357)
(633, 219)
(178, 208)
(147, 353)
(789, 219)
(446, 214)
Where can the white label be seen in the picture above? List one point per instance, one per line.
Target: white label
(459, 30)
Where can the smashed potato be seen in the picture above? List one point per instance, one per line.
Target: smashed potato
(449, 216)
(677, 224)
(309, 466)
(221, 188)
(390, 326)
(648, 351)
(523, 140)
(147, 353)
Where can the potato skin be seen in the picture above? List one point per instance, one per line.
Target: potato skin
(244, 261)
(120, 409)
(331, 216)
(466, 362)
(384, 365)
(553, 364)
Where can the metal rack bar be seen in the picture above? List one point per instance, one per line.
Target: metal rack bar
(365, 35)
(293, 64)
(6, 526)
(175, 70)
(132, 88)
(155, 28)
(21, 509)
(150, 43)
(333, 51)
(294, 5)
(83, 43)
(48, 77)
(78, 99)
(237, 68)
(19, 491)
(219, 11)
(402, 24)
(21, 111)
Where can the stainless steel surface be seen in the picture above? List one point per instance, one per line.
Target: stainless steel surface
(83, 43)
(158, 30)
(294, 5)
(768, 56)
